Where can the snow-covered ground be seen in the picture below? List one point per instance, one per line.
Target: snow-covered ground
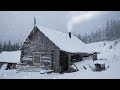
(109, 51)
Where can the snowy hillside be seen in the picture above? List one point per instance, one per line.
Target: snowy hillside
(109, 51)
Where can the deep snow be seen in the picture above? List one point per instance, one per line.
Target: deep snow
(13, 56)
(109, 51)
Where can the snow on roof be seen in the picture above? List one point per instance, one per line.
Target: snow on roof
(27, 58)
(64, 42)
(13, 56)
(99, 62)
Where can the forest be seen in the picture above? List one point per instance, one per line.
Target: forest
(109, 32)
(9, 46)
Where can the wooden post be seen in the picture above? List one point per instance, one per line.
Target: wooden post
(69, 59)
(81, 57)
(52, 59)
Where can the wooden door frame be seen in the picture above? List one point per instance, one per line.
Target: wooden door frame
(37, 64)
(67, 61)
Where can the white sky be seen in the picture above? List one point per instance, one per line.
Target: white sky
(16, 25)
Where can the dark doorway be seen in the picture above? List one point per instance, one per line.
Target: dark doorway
(9, 66)
(63, 61)
(76, 58)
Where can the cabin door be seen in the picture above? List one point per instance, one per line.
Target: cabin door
(37, 58)
(63, 61)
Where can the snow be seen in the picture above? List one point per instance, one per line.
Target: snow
(99, 62)
(111, 73)
(11, 57)
(27, 59)
(111, 55)
(4, 66)
(108, 56)
(64, 42)
(45, 57)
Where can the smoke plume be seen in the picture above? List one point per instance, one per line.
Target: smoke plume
(75, 17)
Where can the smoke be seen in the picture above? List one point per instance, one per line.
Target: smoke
(75, 17)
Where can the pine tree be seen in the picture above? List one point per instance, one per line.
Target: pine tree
(99, 34)
(9, 46)
(110, 31)
(106, 30)
(4, 46)
(0, 47)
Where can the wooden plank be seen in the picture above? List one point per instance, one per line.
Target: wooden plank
(69, 59)
(39, 43)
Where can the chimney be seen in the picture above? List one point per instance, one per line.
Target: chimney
(70, 34)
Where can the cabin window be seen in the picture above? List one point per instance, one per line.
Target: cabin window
(37, 58)
(43, 59)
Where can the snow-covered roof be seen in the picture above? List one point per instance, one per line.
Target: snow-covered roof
(13, 56)
(64, 42)
(99, 62)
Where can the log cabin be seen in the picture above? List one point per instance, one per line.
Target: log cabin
(52, 49)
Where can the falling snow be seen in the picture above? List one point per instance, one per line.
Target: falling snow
(113, 61)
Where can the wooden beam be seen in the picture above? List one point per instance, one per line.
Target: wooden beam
(69, 59)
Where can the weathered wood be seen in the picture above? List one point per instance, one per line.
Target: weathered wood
(37, 58)
(38, 42)
(69, 59)
(56, 64)
(64, 61)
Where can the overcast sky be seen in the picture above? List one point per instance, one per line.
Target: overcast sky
(16, 25)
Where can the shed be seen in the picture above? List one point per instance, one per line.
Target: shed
(11, 58)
